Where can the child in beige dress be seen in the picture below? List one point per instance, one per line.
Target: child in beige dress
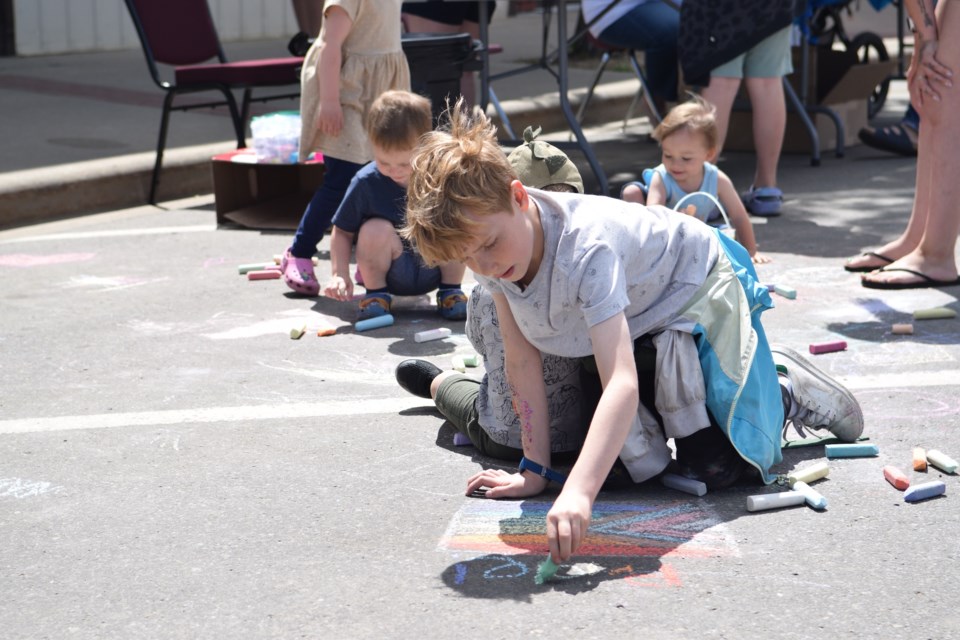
(357, 56)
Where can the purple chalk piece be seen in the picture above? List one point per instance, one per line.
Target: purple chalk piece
(923, 491)
(461, 440)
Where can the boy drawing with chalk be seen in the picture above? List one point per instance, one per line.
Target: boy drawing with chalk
(373, 209)
(586, 276)
(482, 410)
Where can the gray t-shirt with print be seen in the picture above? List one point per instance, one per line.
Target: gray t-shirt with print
(604, 256)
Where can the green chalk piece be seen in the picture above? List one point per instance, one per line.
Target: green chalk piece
(545, 571)
(942, 461)
(785, 291)
(936, 313)
(473, 360)
(256, 266)
(851, 450)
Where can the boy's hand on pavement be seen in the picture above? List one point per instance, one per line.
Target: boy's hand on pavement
(567, 524)
(339, 288)
(497, 483)
(760, 258)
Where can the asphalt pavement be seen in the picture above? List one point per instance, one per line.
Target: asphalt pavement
(174, 465)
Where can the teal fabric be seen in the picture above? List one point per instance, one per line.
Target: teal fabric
(751, 411)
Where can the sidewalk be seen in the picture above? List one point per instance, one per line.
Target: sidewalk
(84, 135)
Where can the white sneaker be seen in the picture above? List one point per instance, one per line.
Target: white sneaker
(823, 402)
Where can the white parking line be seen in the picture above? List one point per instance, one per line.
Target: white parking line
(902, 380)
(285, 411)
(364, 406)
(114, 233)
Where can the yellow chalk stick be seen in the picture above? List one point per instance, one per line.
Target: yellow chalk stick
(936, 313)
(458, 364)
(297, 332)
(809, 474)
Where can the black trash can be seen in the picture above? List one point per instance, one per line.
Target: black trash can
(437, 60)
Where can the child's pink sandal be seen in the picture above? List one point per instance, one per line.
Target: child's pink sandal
(298, 274)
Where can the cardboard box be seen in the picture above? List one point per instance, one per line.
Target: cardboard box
(263, 196)
(836, 80)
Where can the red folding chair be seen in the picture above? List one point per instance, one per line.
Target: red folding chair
(181, 34)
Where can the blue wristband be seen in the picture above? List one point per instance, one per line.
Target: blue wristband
(543, 472)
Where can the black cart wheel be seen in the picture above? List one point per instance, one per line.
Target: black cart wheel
(869, 47)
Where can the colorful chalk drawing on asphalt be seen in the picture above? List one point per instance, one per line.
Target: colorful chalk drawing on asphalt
(630, 541)
(27, 260)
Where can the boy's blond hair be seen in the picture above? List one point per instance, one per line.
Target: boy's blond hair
(459, 170)
(397, 119)
(696, 116)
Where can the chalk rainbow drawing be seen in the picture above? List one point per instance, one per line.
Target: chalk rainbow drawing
(624, 529)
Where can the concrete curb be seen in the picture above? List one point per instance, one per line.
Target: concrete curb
(68, 190)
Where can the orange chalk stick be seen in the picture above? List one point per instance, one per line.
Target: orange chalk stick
(919, 459)
(896, 477)
(329, 331)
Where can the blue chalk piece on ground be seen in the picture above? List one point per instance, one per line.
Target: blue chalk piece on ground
(923, 491)
(545, 571)
(461, 440)
(851, 450)
(811, 495)
(785, 291)
(374, 323)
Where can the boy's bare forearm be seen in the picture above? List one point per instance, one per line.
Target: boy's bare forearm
(524, 370)
(340, 243)
(613, 351)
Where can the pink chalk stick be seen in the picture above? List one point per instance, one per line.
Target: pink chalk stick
(896, 477)
(828, 347)
(266, 274)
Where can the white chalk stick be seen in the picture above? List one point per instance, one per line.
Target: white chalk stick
(680, 483)
(431, 334)
(765, 501)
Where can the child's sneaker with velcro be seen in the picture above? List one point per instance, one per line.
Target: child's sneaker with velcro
(452, 304)
(374, 305)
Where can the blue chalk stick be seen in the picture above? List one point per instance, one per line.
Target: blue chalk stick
(374, 323)
(811, 495)
(851, 450)
(461, 439)
(923, 491)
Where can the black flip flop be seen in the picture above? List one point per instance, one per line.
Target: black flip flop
(926, 281)
(871, 254)
(893, 139)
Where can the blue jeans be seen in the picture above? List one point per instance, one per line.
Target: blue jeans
(653, 27)
(325, 202)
